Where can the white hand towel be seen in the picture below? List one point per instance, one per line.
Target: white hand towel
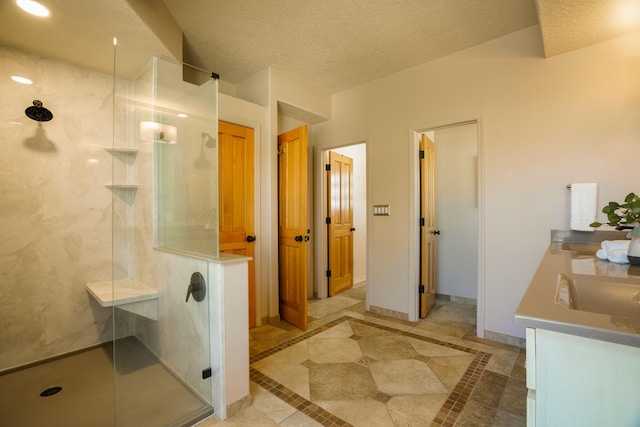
(619, 256)
(583, 205)
(611, 245)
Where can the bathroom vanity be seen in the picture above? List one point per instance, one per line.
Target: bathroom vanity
(583, 340)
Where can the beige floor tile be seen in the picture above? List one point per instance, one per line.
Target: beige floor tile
(406, 377)
(292, 375)
(514, 398)
(450, 370)
(341, 381)
(249, 416)
(414, 411)
(502, 361)
(343, 330)
(325, 307)
(433, 350)
(489, 389)
(371, 376)
(298, 419)
(360, 413)
(476, 414)
(503, 419)
(334, 350)
(269, 405)
(389, 347)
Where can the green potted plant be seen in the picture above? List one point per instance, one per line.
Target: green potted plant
(625, 216)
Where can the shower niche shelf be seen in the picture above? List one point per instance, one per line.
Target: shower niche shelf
(122, 186)
(121, 150)
(126, 294)
(126, 156)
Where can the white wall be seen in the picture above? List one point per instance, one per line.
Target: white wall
(543, 123)
(457, 211)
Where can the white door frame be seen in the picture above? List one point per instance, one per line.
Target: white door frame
(320, 288)
(414, 212)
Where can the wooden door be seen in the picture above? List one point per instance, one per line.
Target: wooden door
(427, 226)
(292, 226)
(340, 222)
(236, 198)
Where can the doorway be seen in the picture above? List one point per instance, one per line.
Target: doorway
(457, 186)
(357, 152)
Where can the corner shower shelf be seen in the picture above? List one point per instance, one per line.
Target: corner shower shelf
(122, 186)
(127, 294)
(121, 150)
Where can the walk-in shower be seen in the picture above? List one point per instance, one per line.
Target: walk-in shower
(101, 236)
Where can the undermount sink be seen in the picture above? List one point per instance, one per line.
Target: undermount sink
(618, 297)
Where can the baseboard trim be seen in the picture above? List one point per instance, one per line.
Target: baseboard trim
(457, 300)
(238, 406)
(389, 313)
(505, 339)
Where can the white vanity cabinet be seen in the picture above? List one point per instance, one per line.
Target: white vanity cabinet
(582, 382)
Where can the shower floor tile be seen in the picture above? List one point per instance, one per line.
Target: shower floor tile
(87, 396)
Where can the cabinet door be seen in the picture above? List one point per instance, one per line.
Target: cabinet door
(585, 382)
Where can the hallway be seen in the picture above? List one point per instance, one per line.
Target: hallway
(356, 368)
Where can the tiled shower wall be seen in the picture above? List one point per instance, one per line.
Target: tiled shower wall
(56, 213)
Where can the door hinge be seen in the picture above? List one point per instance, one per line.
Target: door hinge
(328, 273)
(421, 154)
(206, 373)
(327, 167)
(327, 220)
(421, 289)
(421, 222)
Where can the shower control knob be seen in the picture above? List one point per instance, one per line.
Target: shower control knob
(197, 287)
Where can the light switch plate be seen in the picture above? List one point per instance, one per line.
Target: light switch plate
(381, 210)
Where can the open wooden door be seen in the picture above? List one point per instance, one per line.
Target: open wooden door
(293, 233)
(427, 226)
(340, 222)
(236, 198)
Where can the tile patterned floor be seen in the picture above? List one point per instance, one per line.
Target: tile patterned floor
(353, 368)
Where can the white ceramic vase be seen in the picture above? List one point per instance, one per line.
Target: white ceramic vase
(634, 251)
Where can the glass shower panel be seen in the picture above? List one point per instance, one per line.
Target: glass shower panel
(164, 216)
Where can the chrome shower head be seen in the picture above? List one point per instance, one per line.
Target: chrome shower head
(38, 113)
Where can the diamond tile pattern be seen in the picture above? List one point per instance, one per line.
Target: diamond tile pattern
(474, 381)
(385, 366)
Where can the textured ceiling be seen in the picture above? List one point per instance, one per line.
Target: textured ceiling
(334, 44)
(568, 25)
(338, 44)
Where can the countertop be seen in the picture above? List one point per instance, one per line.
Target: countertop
(538, 308)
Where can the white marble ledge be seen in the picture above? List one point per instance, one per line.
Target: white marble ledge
(119, 292)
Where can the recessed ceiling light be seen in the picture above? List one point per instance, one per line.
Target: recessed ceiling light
(33, 7)
(182, 115)
(20, 79)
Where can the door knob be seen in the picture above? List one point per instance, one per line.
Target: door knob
(251, 239)
(298, 238)
(197, 287)
(353, 229)
(436, 232)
